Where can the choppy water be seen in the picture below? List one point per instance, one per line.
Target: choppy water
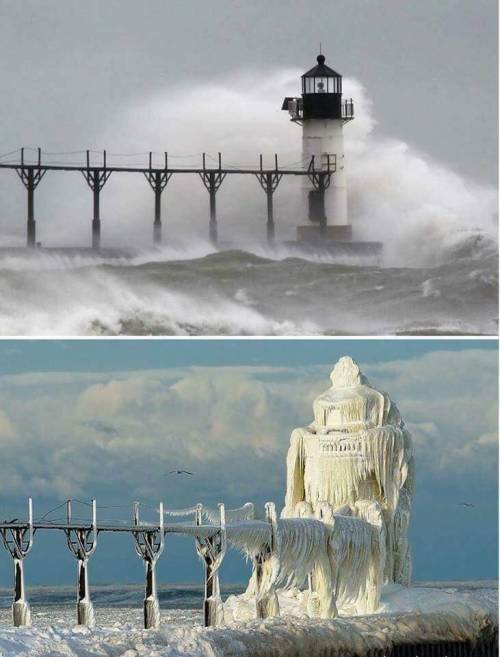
(167, 292)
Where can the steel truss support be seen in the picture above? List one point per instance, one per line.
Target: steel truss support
(321, 181)
(96, 178)
(82, 542)
(212, 551)
(266, 599)
(158, 180)
(19, 541)
(269, 181)
(31, 176)
(212, 179)
(149, 544)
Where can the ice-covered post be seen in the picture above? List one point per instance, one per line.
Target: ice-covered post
(82, 541)
(149, 544)
(266, 600)
(18, 540)
(211, 551)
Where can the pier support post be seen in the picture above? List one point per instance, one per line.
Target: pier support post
(96, 218)
(269, 181)
(21, 614)
(18, 540)
(157, 220)
(158, 179)
(212, 179)
(266, 599)
(212, 550)
(149, 544)
(212, 229)
(31, 224)
(30, 176)
(321, 206)
(96, 178)
(270, 215)
(321, 181)
(82, 541)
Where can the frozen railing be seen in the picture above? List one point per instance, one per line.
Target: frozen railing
(337, 556)
(210, 528)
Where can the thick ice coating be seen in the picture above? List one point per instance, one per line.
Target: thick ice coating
(356, 451)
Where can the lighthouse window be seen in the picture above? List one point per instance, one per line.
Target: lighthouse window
(321, 85)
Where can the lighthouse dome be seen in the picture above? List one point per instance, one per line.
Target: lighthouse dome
(322, 80)
(351, 404)
(321, 70)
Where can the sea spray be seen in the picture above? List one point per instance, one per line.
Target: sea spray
(439, 268)
(419, 208)
(236, 292)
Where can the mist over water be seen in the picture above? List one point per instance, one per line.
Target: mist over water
(439, 267)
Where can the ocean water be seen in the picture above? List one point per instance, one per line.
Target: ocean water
(246, 292)
(438, 274)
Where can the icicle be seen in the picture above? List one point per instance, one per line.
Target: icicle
(245, 512)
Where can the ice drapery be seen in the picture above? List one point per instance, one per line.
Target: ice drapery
(357, 448)
(343, 530)
(340, 558)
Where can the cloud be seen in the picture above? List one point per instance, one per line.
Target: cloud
(7, 429)
(449, 401)
(115, 435)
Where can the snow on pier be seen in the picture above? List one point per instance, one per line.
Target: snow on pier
(448, 620)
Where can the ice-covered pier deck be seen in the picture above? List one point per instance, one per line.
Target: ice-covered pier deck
(81, 537)
(412, 622)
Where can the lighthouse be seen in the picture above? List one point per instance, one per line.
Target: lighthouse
(322, 113)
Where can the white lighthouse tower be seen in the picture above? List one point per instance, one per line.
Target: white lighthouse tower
(322, 113)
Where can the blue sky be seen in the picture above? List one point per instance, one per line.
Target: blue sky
(85, 418)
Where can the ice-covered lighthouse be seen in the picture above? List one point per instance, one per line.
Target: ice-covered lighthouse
(322, 112)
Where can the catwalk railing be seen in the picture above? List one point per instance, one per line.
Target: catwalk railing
(81, 538)
(31, 171)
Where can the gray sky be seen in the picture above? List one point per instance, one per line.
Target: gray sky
(67, 67)
(109, 418)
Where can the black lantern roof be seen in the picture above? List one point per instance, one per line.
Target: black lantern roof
(321, 70)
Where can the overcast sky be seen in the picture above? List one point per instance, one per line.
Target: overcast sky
(68, 68)
(109, 418)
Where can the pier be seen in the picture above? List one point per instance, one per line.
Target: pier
(149, 538)
(212, 531)
(32, 169)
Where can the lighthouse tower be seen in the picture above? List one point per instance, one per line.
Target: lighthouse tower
(322, 113)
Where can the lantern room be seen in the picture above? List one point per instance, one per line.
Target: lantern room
(321, 92)
(321, 79)
(321, 96)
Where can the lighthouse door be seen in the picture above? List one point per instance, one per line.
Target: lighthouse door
(317, 205)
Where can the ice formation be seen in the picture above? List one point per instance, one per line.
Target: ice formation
(356, 450)
(342, 533)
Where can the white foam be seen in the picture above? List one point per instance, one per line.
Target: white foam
(95, 301)
(421, 209)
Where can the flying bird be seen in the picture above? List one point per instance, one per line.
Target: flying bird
(467, 504)
(178, 472)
